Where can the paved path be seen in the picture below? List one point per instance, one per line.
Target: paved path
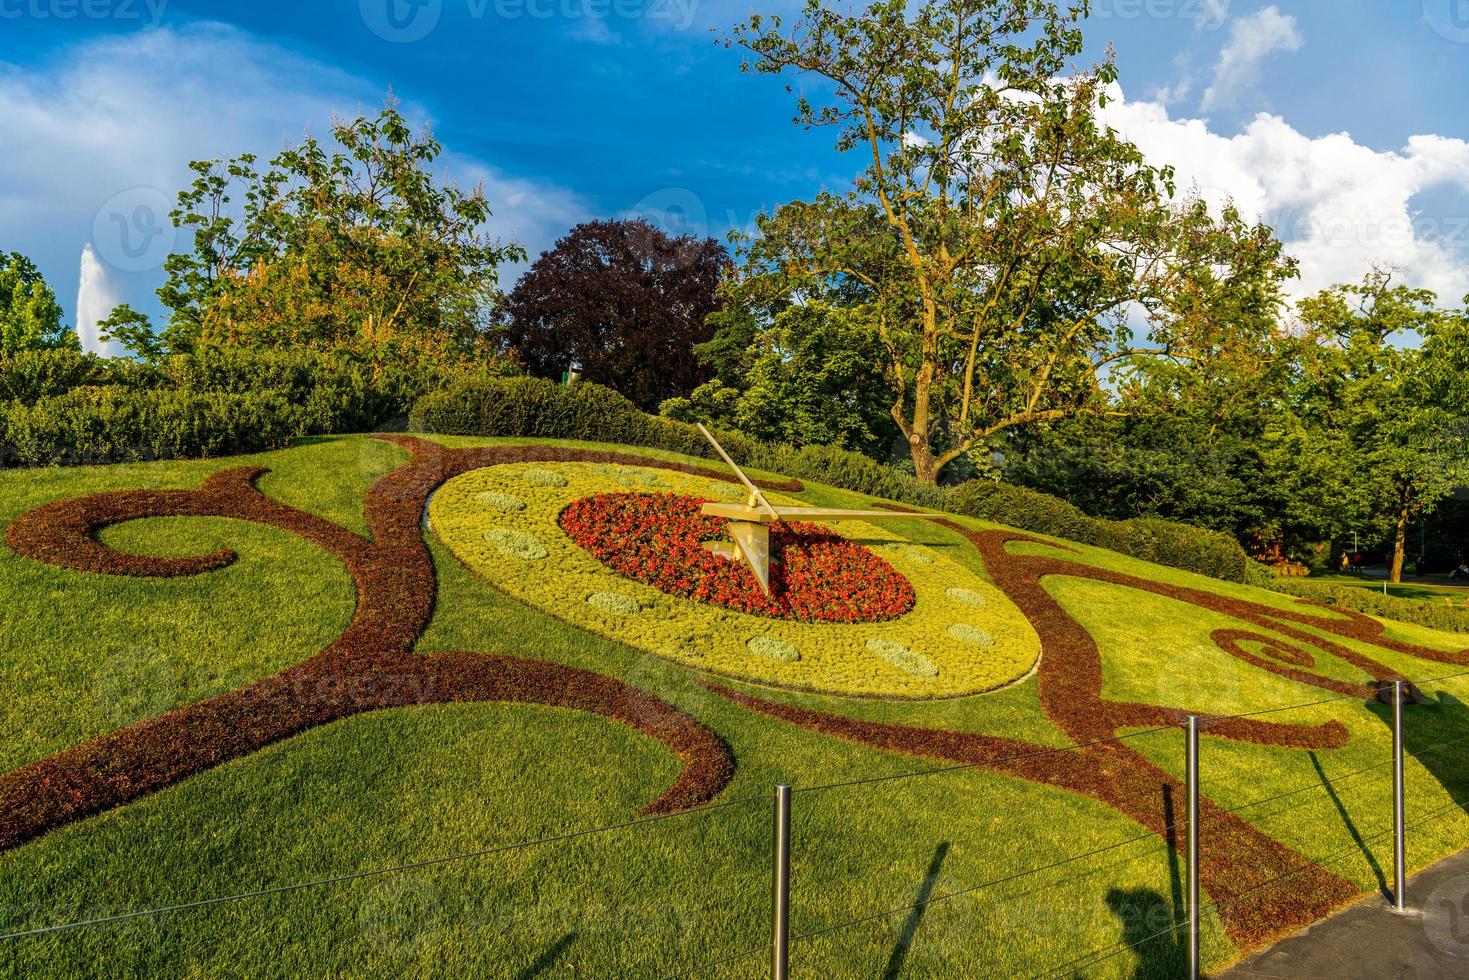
(1369, 941)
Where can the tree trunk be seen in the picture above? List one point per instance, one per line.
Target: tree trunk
(925, 465)
(1399, 546)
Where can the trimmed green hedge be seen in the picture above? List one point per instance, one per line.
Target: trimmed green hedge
(114, 424)
(29, 376)
(531, 407)
(220, 400)
(1425, 612)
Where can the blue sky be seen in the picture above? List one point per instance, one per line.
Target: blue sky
(1340, 120)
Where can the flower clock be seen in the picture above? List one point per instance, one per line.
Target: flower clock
(853, 609)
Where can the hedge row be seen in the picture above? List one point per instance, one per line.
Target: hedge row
(67, 408)
(535, 408)
(1436, 614)
(113, 424)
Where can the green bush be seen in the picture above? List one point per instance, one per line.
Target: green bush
(246, 400)
(29, 376)
(1425, 612)
(113, 424)
(529, 407)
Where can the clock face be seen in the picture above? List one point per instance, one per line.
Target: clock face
(855, 608)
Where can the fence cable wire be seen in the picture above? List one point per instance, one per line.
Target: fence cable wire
(982, 886)
(1093, 958)
(371, 873)
(1003, 760)
(1333, 781)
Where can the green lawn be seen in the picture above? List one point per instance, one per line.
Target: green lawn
(81, 655)
(1435, 587)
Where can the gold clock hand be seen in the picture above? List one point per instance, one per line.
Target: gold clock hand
(755, 495)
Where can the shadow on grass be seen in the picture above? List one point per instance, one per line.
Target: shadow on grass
(547, 959)
(1151, 924)
(915, 915)
(1436, 735)
(1351, 826)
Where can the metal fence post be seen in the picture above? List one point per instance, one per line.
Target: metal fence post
(1399, 850)
(780, 953)
(1192, 778)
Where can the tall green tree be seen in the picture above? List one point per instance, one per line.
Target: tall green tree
(1381, 432)
(813, 376)
(1010, 242)
(30, 317)
(352, 242)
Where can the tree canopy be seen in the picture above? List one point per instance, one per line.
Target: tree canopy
(1010, 246)
(348, 243)
(30, 317)
(624, 301)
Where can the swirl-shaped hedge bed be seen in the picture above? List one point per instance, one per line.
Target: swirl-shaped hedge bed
(856, 609)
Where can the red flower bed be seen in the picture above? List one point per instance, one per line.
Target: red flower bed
(815, 575)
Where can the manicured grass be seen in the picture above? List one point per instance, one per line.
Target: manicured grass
(1401, 590)
(653, 899)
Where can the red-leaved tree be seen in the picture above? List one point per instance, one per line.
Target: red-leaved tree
(625, 301)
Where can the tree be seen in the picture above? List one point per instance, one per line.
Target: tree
(353, 245)
(1182, 441)
(1003, 234)
(623, 300)
(134, 331)
(30, 317)
(1380, 428)
(814, 376)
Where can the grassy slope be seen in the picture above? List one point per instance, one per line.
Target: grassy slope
(80, 654)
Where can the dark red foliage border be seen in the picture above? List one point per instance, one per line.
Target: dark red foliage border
(1236, 859)
(370, 667)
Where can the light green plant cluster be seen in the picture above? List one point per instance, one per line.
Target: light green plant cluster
(517, 544)
(963, 636)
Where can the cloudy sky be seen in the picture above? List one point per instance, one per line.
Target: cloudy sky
(1341, 122)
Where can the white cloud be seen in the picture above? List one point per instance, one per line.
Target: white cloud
(1211, 14)
(1251, 40)
(1341, 207)
(97, 142)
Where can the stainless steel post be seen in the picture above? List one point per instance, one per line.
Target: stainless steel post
(1399, 846)
(1192, 777)
(780, 952)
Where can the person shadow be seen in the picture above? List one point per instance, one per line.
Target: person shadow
(1152, 924)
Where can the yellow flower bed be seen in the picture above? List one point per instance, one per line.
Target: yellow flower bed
(963, 636)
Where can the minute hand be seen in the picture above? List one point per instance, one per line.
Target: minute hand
(833, 514)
